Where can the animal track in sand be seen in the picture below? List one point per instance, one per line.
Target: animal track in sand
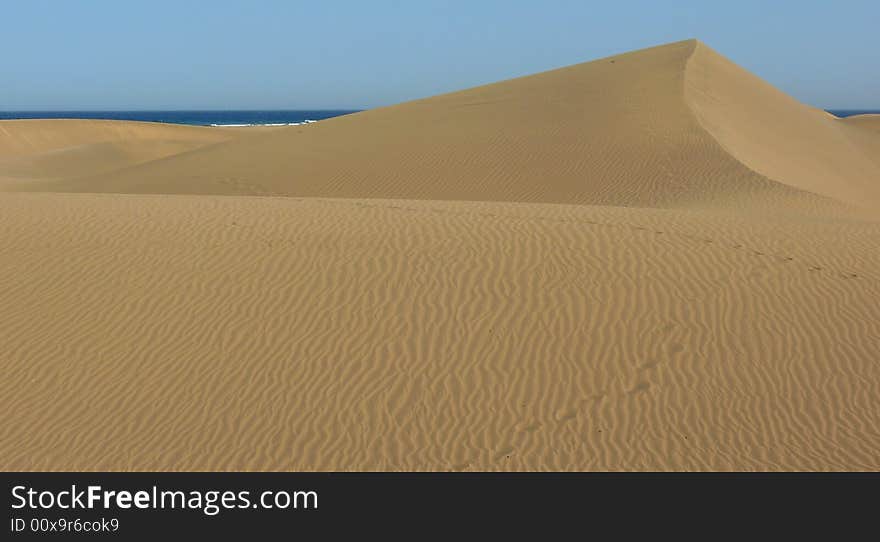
(530, 428)
(566, 415)
(504, 453)
(648, 365)
(782, 259)
(640, 387)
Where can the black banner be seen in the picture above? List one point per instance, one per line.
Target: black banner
(132, 506)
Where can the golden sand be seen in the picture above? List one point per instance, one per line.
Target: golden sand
(650, 261)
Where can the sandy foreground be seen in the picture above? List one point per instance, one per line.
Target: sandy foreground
(651, 261)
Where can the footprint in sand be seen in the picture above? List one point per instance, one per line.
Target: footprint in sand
(566, 415)
(504, 453)
(648, 365)
(592, 399)
(641, 387)
(530, 427)
(675, 348)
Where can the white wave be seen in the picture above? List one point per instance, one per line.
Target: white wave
(307, 121)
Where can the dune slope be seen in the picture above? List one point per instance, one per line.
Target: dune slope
(38, 150)
(867, 122)
(777, 136)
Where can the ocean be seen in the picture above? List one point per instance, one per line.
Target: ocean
(237, 118)
(198, 118)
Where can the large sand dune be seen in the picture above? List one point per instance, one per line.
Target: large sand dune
(650, 261)
(672, 126)
(42, 150)
(867, 122)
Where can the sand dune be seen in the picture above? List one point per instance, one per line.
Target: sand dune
(867, 122)
(672, 126)
(866, 135)
(777, 136)
(651, 261)
(40, 150)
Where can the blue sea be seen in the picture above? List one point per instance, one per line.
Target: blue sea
(238, 118)
(198, 118)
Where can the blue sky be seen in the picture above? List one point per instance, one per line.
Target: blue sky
(223, 54)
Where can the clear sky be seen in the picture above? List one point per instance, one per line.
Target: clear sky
(225, 54)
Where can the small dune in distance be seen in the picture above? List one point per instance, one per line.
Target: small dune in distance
(651, 261)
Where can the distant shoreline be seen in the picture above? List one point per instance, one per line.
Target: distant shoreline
(243, 118)
(232, 118)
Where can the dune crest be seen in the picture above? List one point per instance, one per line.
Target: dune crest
(777, 136)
